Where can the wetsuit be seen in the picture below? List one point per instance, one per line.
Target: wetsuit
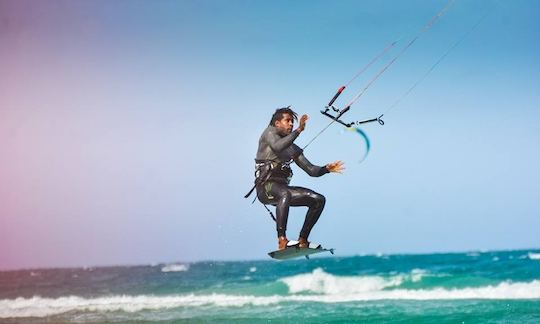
(274, 173)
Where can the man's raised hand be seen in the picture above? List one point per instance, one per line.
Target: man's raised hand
(302, 125)
(335, 167)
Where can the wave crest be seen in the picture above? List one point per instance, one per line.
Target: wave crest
(321, 282)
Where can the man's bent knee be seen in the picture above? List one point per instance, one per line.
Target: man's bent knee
(318, 200)
(284, 198)
(321, 200)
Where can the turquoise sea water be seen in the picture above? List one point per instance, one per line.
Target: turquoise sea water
(490, 287)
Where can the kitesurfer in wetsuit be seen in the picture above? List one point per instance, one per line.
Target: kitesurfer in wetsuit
(273, 173)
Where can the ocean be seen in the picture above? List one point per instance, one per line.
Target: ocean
(473, 287)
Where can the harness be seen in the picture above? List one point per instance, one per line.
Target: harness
(267, 169)
(264, 170)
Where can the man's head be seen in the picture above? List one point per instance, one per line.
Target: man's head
(283, 119)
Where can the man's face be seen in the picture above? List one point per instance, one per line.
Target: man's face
(285, 124)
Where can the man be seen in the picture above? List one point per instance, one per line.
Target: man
(273, 173)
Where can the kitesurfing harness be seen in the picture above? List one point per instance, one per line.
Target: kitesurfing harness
(266, 170)
(270, 170)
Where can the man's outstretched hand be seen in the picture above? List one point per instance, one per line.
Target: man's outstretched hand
(302, 125)
(335, 167)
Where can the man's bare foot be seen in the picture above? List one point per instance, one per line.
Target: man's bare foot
(303, 243)
(282, 243)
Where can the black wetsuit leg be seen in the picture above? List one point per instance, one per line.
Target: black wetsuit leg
(283, 196)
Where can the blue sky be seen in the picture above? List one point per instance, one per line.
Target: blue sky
(129, 128)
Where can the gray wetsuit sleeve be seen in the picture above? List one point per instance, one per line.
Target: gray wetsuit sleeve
(278, 143)
(312, 170)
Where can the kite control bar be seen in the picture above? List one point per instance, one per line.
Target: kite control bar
(341, 112)
(344, 110)
(337, 117)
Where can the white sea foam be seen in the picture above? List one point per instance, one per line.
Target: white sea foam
(252, 269)
(534, 256)
(175, 268)
(364, 289)
(321, 282)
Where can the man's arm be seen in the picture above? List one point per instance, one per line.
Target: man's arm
(278, 143)
(312, 170)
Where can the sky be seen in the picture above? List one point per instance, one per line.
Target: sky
(128, 129)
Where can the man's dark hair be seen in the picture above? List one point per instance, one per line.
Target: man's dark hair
(278, 115)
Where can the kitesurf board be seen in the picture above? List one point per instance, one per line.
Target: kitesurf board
(294, 251)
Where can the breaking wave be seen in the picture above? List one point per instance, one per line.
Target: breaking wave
(321, 282)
